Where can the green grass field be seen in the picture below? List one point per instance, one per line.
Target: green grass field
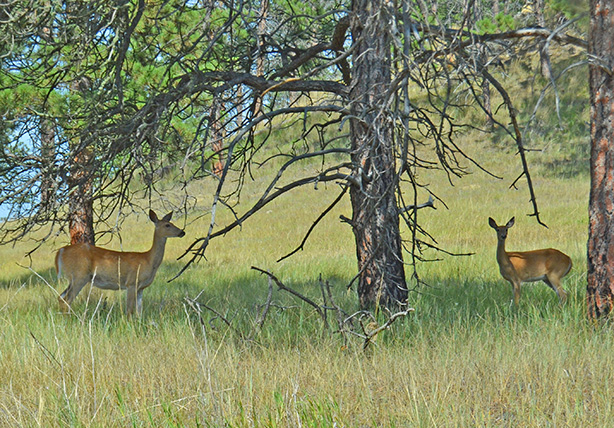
(465, 357)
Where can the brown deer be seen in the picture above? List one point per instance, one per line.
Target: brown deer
(548, 265)
(114, 270)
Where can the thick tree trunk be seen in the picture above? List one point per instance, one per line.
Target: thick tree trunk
(81, 211)
(600, 288)
(375, 218)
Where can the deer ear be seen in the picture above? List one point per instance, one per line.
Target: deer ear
(167, 217)
(492, 223)
(152, 216)
(511, 222)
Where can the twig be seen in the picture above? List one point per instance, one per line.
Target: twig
(307, 300)
(342, 316)
(46, 352)
(373, 333)
(429, 203)
(267, 306)
(197, 305)
(315, 223)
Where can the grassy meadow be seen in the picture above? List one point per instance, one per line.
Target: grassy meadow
(465, 357)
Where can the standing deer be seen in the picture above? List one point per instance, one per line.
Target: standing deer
(548, 265)
(114, 270)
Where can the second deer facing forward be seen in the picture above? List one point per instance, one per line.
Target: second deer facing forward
(548, 265)
(85, 264)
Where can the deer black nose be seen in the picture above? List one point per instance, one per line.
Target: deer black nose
(181, 234)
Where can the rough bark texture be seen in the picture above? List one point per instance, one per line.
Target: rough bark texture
(600, 289)
(81, 216)
(375, 218)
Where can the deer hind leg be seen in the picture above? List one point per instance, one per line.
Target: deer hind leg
(63, 300)
(555, 284)
(68, 295)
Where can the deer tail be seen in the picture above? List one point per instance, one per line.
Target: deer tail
(59, 262)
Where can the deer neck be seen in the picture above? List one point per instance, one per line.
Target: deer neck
(502, 257)
(156, 254)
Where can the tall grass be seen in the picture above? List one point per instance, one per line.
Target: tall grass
(465, 357)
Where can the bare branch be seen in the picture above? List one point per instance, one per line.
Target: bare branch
(372, 334)
(307, 300)
(315, 223)
(428, 204)
(266, 306)
(197, 308)
(523, 33)
(518, 137)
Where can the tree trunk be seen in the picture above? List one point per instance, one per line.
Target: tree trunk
(600, 276)
(544, 56)
(486, 92)
(81, 211)
(261, 47)
(375, 217)
(47, 133)
(487, 105)
(217, 137)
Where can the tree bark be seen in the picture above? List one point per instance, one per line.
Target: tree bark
(375, 217)
(261, 47)
(544, 56)
(490, 124)
(600, 276)
(217, 137)
(47, 135)
(81, 211)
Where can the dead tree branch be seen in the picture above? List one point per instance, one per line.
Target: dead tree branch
(197, 307)
(428, 204)
(266, 306)
(519, 143)
(305, 299)
(371, 335)
(315, 223)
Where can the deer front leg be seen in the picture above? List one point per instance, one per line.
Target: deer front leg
(139, 302)
(131, 300)
(516, 287)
